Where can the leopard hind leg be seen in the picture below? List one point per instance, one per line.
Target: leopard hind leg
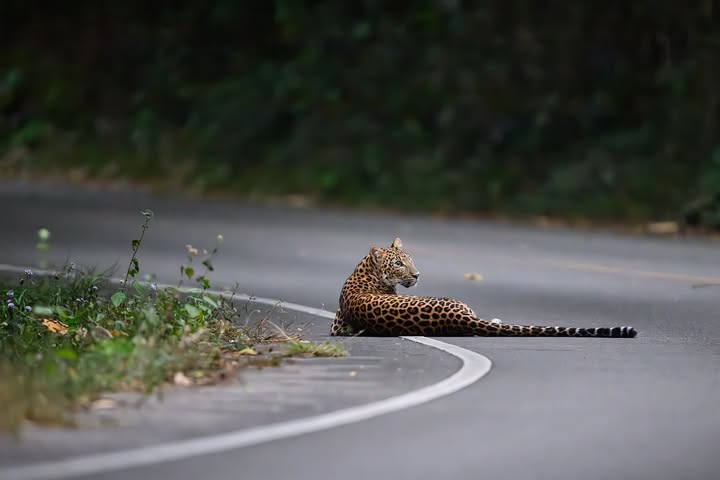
(339, 327)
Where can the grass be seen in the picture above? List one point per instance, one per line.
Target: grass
(69, 336)
(309, 349)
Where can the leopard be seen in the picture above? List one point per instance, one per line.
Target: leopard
(370, 305)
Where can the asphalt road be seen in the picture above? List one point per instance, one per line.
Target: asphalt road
(643, 408)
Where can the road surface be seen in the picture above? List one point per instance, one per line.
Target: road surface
(567, 408)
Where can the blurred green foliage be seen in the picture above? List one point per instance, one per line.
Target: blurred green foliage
(605, 109)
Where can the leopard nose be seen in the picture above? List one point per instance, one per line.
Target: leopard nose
(416, 275)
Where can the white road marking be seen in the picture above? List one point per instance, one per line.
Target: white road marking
(474, 367)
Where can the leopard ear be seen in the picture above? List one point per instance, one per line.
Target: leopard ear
(377, 254)
(397, 243)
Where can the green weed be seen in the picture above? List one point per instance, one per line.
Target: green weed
(311, 349)
(68, 336)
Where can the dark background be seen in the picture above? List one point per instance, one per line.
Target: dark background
(597, 109)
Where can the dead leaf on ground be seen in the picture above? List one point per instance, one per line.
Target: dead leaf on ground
(542, 221)
(181, 379)
(476, 277)
(662, 228)
(247, 351)
(103, 404)
(102, 332)
(54, 326)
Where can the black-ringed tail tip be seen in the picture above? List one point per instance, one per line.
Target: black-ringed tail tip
(493, 328)
(621, 332)
(611, 332)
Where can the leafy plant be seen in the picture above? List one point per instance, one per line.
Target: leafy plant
(189, 271)
(68, 336)
(134, 265)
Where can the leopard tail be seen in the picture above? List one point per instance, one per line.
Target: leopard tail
(509, 330)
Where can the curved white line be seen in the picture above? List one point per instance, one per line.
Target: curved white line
(474, 366)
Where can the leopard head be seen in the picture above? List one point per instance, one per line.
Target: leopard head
(394, 266)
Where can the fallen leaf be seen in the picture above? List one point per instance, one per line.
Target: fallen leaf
(662, 228)
(473, 276)
(542, 221)
(247, 351)
(103, 404)
(181, 379)
(54, 326)
(298, 201)
(102, 332)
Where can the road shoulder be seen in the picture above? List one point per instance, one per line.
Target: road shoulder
(375, 369)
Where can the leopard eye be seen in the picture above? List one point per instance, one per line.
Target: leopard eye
(398, 263)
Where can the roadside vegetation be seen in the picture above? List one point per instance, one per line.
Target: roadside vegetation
(599, 112)
(310, 349)
(70, 335)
